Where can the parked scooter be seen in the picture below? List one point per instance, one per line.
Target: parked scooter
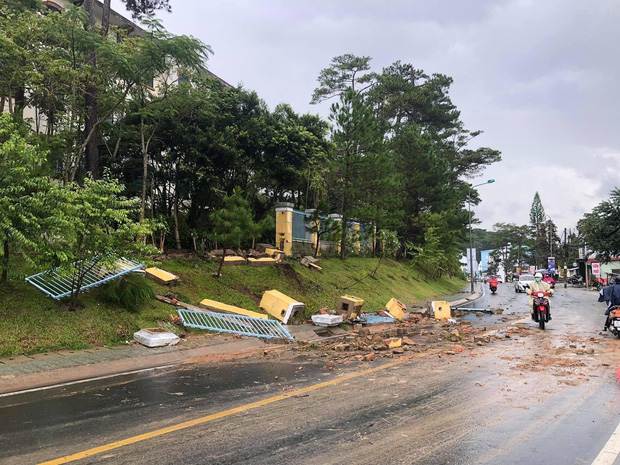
(541, 308)
(614, 320)
(576, 281)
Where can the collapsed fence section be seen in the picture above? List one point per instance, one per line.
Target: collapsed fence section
(57, 283)
(237, 324)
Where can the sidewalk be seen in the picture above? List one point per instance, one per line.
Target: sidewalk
(23, 372)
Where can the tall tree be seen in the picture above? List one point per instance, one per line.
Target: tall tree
(232, 224)
(25, 207)
(358, 144)
(601, 227)
(537, 217)
(537, 211)
(345, 72)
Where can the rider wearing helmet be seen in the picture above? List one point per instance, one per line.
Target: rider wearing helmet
(611, 295)
(538, 286)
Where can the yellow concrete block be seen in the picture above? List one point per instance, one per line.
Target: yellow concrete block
(281, 306)
(261, 261)
(393, 342)
(350, 307)
(396, 308)
(161, 276)
(441, 309)
(232, 261)
(220, 307)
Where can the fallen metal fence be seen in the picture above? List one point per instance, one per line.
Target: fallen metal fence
(237, 324)
(58, 283)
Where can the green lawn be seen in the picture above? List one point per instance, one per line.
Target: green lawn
(30, 322)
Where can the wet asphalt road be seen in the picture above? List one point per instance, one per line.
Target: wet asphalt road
(534, 397)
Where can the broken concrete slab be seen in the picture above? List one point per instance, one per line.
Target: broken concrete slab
(262, 261)
(161, 277)
(234, 261)
(156, 337)
(216, 306)
(326, 320)
(393, 342)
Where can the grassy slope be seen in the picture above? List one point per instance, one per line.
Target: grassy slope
(31, 322)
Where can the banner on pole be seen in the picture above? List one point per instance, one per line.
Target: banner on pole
(551, 265)
(596, 269)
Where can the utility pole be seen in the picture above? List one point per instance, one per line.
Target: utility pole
(471, 261)
(565, 260)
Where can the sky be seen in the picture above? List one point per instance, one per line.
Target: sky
(540, 78)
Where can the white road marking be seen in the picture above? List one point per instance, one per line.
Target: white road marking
(611, 451)
(71, 383)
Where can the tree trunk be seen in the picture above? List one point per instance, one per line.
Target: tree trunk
(90, 100)
(145, 168)
(20, 101)
(105, 19)
(5, 262)
(177, 235)
(219, 270)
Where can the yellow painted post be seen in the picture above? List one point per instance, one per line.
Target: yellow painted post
(284, 227)
(441, 309)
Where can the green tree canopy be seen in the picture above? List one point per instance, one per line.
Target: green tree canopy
(601, 227)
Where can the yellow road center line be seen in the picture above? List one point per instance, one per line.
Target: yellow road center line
(215, 416)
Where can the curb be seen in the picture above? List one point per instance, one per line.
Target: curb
(22, 382)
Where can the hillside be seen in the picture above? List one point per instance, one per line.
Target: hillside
(31, 322)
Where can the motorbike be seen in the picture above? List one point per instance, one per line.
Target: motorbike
(597, 285)
(614, 320)
(541, 308)
(493, 289)
(575, 281)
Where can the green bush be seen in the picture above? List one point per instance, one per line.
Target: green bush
(129, 292)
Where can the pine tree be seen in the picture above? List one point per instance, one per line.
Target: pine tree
(537, 216)
(537, 212)
(233, 223)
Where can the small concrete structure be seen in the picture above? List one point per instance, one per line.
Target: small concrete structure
(281, 306)
(262, 261)
(350, 307)
(441, 309)
(161, 276)
(221, 307)
(396, 308)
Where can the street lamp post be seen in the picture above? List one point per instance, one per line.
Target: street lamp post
(471, 261)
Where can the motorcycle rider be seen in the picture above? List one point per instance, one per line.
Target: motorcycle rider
(611, 295)
(493, 282)
(538, 286)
